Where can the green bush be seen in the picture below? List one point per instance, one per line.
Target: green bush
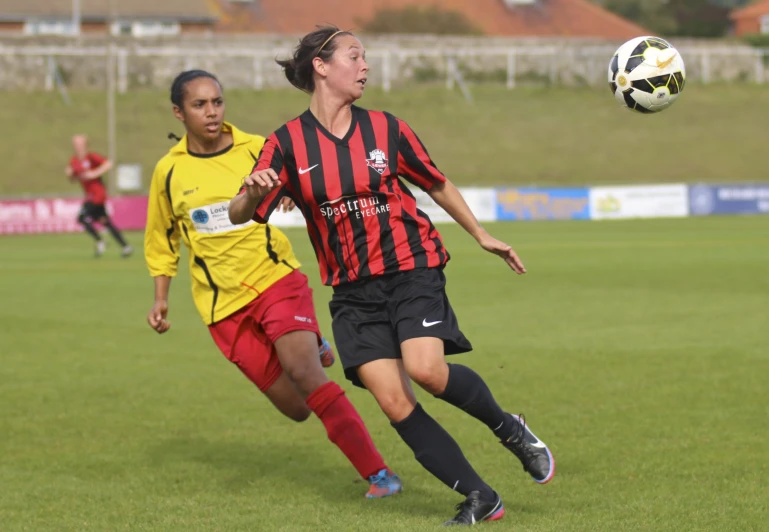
(757, 40)
(419, 20)
(427, 74)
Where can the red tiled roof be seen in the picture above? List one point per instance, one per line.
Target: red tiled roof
(547, 18)
(755, 9)
(100, 9)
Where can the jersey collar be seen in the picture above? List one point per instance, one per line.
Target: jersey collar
(238, 137)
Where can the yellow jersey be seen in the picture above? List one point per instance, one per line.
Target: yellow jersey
(189, 197)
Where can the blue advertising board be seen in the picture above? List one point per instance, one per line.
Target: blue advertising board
(543, 204)
(705, 200)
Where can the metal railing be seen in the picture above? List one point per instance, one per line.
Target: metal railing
(391, 66)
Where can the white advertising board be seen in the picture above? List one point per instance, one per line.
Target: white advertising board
(652, 201)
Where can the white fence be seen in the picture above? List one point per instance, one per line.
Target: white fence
(37, 67)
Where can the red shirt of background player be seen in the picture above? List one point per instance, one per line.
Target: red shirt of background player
(95, 191)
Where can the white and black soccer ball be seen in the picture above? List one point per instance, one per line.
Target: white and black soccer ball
(647, 74)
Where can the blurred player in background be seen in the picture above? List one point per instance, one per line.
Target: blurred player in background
(392, 320)
(88, 168)
(246, 281)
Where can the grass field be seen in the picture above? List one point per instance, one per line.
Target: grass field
(638, 350)
(528, 136)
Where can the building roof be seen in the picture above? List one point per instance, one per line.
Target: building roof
(181, 10)
(756, 9)
(544, 18)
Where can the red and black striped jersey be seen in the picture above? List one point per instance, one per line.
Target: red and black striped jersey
(363, 221)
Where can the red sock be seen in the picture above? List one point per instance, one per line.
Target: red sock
(345, 428)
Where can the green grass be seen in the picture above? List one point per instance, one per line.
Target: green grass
(637, 350)
(527, 136)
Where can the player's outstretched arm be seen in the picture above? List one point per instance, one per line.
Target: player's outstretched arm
(450, 199)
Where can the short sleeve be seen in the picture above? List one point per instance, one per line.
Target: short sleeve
(414, 163)
(161, 235)
(271, 156)
(96, 160)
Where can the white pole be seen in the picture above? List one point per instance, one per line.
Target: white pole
(122, 71)
(111, 88)
(49, 74)
(511, 69)
(705, 65)
(386, 71)
(76, 17)
(258, 73)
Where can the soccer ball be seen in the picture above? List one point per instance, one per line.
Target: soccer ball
(647, 74)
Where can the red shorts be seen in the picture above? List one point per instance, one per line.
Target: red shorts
(247, 337)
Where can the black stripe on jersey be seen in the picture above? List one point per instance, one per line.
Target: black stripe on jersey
(187, 235)
(286, 145)
(321, 196)
(436, 239)
(413, 160)
(168, 188)
(412, 230)
(359, 245)
(270, 252)
(170, 230)
(200, 262)
(386, 240)
(283, 149)
(283, 192)
(256, 161)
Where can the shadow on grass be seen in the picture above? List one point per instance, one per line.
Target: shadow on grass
(294, 468)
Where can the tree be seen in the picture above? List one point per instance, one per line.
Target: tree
(650, 14)
(419, 20)
(731, 4)
(692, 18)
(700, 18)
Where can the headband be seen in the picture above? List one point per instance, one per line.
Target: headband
(322, 46)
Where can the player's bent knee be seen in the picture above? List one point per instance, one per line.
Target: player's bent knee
(307, 378)
(286, 398)
(299, 414)
(431, 379)
(396, 407)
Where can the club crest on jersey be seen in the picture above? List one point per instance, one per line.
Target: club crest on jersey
(377, 160)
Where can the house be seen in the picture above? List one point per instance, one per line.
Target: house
(138, 18)
(751, 19)
(508, 18)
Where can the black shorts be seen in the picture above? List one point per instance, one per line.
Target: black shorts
(93, 211)
(372, 318)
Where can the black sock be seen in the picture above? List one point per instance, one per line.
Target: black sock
(91, 230)
(115, 233)
(437, 451)
(467, 390)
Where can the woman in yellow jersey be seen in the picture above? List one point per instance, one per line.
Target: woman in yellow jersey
(245, 278)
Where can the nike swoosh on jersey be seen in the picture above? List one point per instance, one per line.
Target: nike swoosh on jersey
(426, 323)
(303, 171)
